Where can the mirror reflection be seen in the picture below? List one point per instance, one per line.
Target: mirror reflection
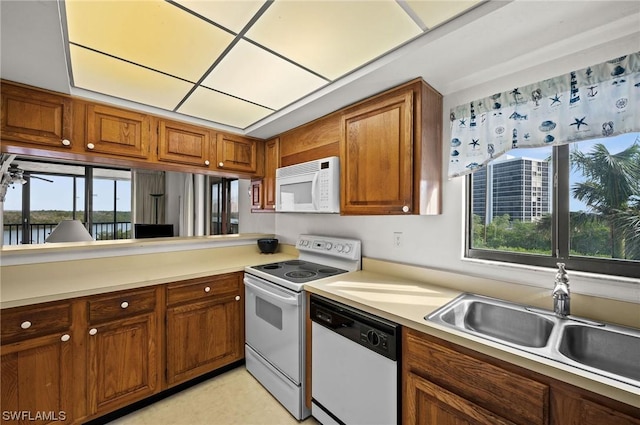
(112, 203)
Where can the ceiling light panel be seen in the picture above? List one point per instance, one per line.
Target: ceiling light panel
(103, 74)
(252, 73)
(152, 33)
(233, 15)
(433, 12)
(333, 37)
(213, 106)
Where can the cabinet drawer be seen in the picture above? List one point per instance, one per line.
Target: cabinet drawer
(203, 288)
(21, 323)
(121, 304)
(512, 396)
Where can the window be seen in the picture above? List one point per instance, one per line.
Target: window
(53, 192)
(577, 203)
(224, 206)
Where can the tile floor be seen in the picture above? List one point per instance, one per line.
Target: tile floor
(233, 398)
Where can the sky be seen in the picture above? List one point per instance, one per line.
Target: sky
(59, 195)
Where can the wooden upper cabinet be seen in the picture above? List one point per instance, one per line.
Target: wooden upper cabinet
(271, 163)
(117, 131)
(183, 143)
(236, 153)
(36, 117)
(376, 161)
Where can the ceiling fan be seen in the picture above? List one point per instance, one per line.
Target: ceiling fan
(12, 174)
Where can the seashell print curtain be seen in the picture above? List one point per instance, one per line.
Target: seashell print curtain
(598, 101)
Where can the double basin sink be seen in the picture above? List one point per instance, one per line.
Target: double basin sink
(604, 349)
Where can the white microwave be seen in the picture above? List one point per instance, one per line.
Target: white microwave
(312, 186)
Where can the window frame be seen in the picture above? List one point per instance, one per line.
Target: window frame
(560, 253)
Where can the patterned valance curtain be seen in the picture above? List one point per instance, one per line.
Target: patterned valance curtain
(598, 101)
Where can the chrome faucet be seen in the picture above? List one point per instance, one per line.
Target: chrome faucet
(561, 294)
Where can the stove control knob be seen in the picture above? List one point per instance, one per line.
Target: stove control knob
(329, 246)
(347, 249)
(373, 338)
(339, 247)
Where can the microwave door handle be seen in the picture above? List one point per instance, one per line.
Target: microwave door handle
(314, 188)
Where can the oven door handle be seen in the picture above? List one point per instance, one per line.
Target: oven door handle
(268, 294)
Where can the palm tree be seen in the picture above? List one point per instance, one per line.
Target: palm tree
(611, 182)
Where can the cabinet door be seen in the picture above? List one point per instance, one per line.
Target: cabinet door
(203, 336)
(37, 379)
(117, 131)
(183, 143)
(271, 163)
(236, 153)
(122, 361)
(35, 117)
(429, 404)
(377, 157)
(570, 408)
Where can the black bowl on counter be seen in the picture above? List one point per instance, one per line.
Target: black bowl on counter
(268, 245)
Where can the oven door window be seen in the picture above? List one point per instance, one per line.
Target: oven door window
(273, 325)
(268, 312)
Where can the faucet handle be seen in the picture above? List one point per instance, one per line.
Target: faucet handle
(561, 275)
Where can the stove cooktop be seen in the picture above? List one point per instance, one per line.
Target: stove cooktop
(298, 271)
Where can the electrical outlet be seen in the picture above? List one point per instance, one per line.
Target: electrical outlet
(397, 239)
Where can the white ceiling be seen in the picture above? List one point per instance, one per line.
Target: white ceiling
(492, 40)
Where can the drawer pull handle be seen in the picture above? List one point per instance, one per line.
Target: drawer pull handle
(26, 324)
(207, 289)
(90, 146)
(124, 304)
(66, 142)
(237, 297)
(93, 331)
(65, 338)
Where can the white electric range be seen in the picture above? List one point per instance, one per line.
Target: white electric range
(275, 313)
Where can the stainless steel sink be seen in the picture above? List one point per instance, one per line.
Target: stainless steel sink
(602, 349)
(605, 349)
(506, 322)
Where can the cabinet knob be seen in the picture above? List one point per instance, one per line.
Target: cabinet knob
(405, 209)
(124, 304)
(25, 325)
(66, 142)
(237, 297)
(206, 162)
(93, 331)
(207, 289)
(65, 338)
(220, 164)
(90, 146)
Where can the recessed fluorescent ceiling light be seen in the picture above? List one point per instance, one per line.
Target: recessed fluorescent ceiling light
(258, 57)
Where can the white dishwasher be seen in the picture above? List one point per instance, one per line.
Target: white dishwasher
(354, 366)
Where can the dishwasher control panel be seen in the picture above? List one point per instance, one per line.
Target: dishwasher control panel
(376, 334)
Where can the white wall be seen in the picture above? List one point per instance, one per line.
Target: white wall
(438, 241)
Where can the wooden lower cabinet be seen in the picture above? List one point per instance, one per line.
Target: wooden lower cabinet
(205, 326)
(429, 404)
(444, 384)
(123, 362)
(37, 378)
